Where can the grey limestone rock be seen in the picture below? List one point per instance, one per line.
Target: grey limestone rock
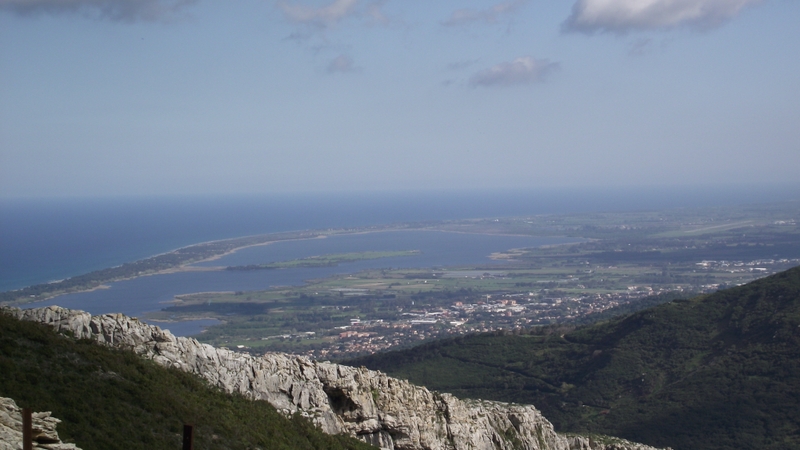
(383, 411)
(43, 427)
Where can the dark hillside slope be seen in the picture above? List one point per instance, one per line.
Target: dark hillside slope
(113, 399)
(719, 371)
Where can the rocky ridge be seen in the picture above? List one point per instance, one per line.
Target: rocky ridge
(43, 427)
(384, 411)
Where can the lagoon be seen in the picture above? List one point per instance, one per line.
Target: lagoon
(138, 296)
(49, 239)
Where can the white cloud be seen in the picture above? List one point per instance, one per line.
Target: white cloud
(523, 70)
(341, 63)
(490, 15)
(119, 10)
(323, 15)
(620, 16)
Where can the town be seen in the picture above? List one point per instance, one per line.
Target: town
(350, 322)
(623, 262)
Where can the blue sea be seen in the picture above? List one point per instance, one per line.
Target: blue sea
(43, 240)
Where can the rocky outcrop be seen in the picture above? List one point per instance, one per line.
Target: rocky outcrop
(43, 427)
(384, 411)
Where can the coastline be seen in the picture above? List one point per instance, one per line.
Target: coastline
(189, 265)
(512, 253)
(186, 266)
(232, 251)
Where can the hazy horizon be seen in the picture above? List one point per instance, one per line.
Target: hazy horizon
(51, 238)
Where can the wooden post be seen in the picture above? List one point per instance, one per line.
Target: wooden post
(188, 437)
(27, 429)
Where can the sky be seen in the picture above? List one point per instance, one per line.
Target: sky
(144, 97)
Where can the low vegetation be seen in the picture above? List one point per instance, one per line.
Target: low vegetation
(113, 399)
(324, 260)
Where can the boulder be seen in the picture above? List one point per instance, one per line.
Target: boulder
(43, 426)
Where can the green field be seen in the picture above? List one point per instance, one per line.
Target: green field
(325, 260)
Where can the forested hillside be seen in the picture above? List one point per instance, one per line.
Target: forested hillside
(718, 371)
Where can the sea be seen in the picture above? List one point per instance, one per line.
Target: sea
(49, 239)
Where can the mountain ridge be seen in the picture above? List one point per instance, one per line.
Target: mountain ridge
(110, 398)
(383, 411)
(712, 372)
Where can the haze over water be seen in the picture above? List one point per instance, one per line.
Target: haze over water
(49, 239)
(43, 240)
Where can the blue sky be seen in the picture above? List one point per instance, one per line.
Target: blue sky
(142, 97)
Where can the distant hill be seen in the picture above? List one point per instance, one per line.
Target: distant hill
(113, 399)
(718, 371)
